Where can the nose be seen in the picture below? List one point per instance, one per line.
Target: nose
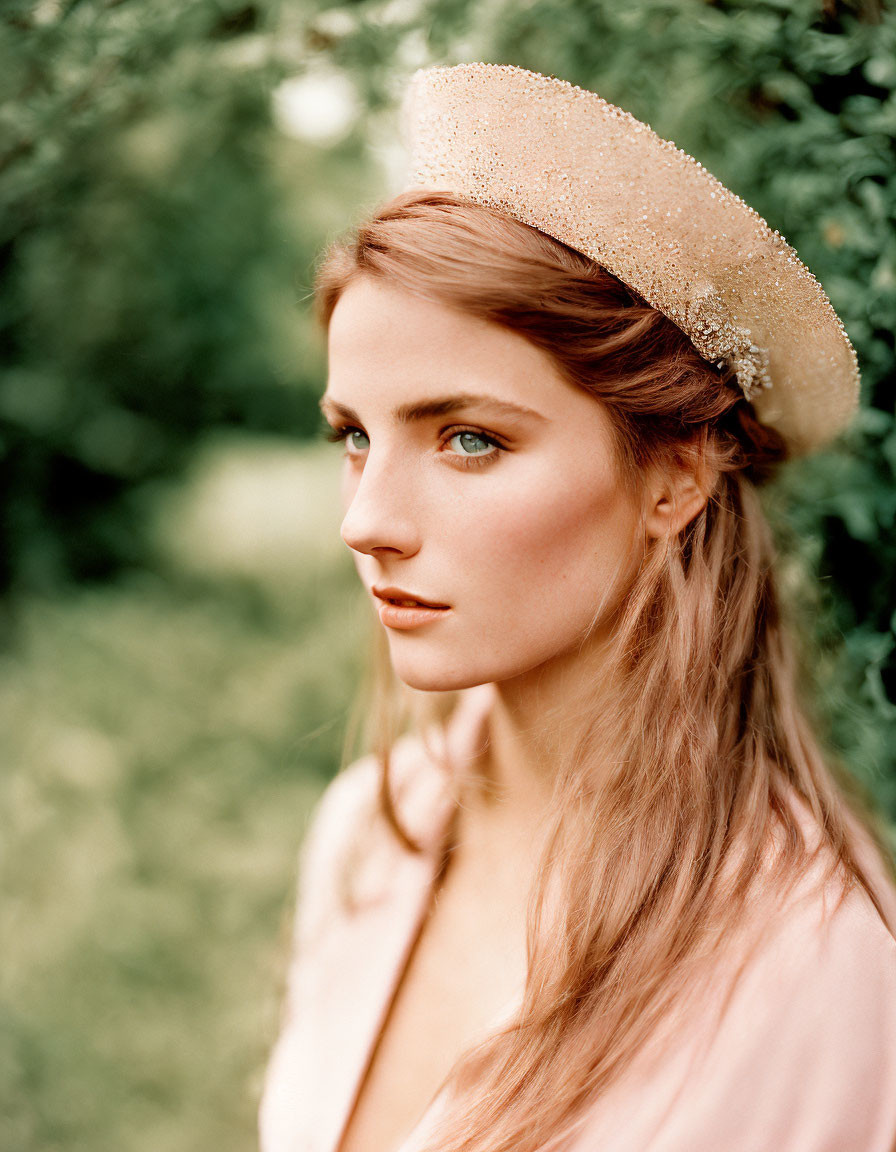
(379, 512)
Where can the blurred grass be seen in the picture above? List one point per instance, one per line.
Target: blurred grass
(165, 739)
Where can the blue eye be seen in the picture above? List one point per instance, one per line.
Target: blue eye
(473, 436)
(343, 433)
(467, 459)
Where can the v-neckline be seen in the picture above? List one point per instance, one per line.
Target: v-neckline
(464, 732)
(403, 968)
(506, 1012)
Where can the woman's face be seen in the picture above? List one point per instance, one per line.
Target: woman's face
(517, 520)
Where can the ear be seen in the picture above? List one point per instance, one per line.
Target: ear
(677, 495)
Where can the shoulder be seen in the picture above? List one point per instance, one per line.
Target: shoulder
(345, 805)
(812, 1028)
(825, 926)
(423, 768)
(787, 1041)
(347, 828)
(417, 784)
(801, 1055)
(347, 801)
(827, 971)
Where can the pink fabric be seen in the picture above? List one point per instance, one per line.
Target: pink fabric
(803, 1058)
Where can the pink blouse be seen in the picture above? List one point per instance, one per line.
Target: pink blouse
(803, 1058)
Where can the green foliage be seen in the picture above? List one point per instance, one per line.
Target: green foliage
(150, 281)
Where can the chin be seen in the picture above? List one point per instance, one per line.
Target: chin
(432, 681)
(426, 675)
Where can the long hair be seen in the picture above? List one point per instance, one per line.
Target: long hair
(683, 768)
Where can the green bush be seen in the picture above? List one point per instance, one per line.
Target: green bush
(151, 281)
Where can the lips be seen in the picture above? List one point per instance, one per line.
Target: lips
(405, 599)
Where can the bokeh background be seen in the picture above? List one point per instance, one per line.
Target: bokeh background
(180, 631)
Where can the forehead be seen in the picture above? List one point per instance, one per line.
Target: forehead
(380, 335)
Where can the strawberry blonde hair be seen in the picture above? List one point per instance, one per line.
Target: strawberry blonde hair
(705, 736)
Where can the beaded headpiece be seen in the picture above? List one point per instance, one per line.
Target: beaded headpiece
(565, 161)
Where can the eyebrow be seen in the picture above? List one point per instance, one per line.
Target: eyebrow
(438, 406)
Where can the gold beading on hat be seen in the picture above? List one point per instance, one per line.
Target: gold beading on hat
(565, 161)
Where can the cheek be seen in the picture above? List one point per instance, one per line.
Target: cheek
(537, 535)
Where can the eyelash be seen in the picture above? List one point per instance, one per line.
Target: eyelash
(341, 433)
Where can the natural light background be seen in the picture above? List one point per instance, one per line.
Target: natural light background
(181, 628)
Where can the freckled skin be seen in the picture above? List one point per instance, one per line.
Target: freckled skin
(525, 547)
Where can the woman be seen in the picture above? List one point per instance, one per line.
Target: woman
(604, 891)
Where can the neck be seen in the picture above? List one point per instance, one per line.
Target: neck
(531, 723)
